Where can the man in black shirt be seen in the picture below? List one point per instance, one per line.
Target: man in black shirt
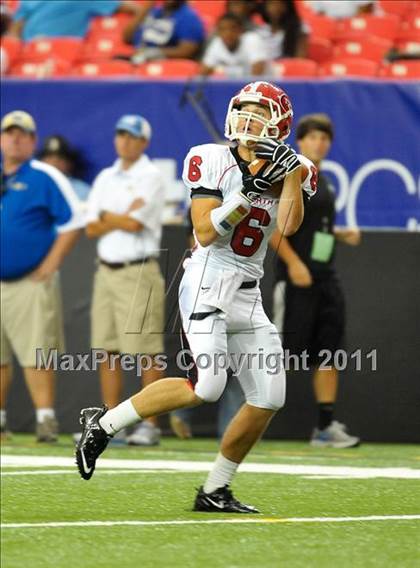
(309, 304)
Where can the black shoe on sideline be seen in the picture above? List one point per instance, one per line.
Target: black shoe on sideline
(220, 501)
(93, 441)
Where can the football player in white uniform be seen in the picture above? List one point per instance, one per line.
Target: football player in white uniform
(240, 193)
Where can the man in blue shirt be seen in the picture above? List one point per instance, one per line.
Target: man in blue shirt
(56, 18)
(40, 218)
(171, 31)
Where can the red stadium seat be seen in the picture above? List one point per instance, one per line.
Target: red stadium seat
(304, 10)
(168, 68)
(295, 67)
(12, 46)
(397, 7)
(409, 47)
(372, 48)
(108, 26)
(102, 69)
(401, 70)
(64, 48)
(41, 69)
(380, 26)
(349, 68)
(322, 26)
(106, 48)
(209, 11)
(410, 28)
(319, 49)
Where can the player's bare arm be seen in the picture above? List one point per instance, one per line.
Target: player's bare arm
(204, 230)
(290, 211)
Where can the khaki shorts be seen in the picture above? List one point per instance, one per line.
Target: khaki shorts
(31, 319)
(128, 309)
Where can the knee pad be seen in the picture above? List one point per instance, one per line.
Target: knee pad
(210, 385)
(271, 392)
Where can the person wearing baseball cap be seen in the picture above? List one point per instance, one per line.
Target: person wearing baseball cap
(124, 212)
(18, 119)
(40, 218)
(58, 152)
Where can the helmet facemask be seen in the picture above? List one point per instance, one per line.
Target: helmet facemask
(240, 127)
(241, 132)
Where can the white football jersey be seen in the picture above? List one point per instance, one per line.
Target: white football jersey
(211, 170)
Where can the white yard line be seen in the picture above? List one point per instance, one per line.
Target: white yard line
(201, 466)
(73, 471)
(262, 520)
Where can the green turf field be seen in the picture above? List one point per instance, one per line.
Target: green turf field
(337, 508)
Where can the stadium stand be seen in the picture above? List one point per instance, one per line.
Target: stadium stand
(64, 48)
(12, 46)
(385, 27)
(108, 26)
(349, 68)
(106, 48)
(294, 67)
(41, 69)
(398, 7)
(321, 26)
(392, 32)
(208, 11)
(92, 69)
(168, 68)
(319, 49)
(372, 48)
(401, 70)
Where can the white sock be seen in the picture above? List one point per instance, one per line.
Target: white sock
(2, 419)
(43, 413)
(221, 474)
(119, 417)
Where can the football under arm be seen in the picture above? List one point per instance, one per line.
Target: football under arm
(290, 211)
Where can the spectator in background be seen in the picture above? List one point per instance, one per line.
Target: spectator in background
(245, 10)
(170, 31)
(124, 213)
(46, 18)
(308, 300)
(284, 35)
(40, 218)
(342, 8)
(5, 21)
(57, 152)
(233, 52)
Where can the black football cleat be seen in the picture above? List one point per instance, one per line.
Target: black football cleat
(93, 441)
(220, 501)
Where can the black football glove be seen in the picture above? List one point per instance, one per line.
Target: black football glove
(255, 185)
(280, 154)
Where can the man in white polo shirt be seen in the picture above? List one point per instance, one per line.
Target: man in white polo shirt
(124, 213)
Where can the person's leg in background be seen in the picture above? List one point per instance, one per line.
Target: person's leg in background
(41, 386)
(32, 317)
(329, 336)
(5, 382)
(111, 377)
(139, 313)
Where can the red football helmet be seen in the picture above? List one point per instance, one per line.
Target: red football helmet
(237, 125)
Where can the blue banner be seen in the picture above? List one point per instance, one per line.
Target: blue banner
(374, 161)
